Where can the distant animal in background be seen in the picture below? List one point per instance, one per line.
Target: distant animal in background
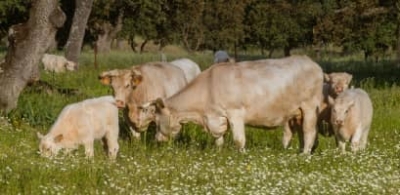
(57, 64)
(222, 56)
(351, 119)
(83, 123)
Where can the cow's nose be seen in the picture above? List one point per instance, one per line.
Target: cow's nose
(339, 122)
(120, 103)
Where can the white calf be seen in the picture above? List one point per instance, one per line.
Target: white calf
(82, 123)
(351, 119)
(57, 63)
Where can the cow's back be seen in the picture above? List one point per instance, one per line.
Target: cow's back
(160, 79)
(190, 68)
(269, 90)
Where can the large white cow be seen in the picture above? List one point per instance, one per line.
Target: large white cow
(143, 83)
(259, 93)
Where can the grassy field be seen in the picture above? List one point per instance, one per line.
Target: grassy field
(191, 164)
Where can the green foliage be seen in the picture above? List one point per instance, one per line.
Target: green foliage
(12, 12)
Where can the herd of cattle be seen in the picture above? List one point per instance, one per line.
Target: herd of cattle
(292, 92)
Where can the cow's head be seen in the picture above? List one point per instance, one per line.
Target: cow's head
(142, 115)
(49, 146)
(168, 125)
(70, 65)
(338, 82)
(340, 110)
(123, 82)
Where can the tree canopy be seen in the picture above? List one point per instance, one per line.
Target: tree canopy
(371, 26)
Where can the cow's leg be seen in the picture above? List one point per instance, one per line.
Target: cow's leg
(111, 140)
(355, 139)
(89, 151)
(342, 145)
(287, 134)
(364, 139)
(309, 129)
(217, 127)
(236, 123)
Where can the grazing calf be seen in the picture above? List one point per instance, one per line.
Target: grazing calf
(82, 123)
(57, 64)
(351, 119)
(334, 84)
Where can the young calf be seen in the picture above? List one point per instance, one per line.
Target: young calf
(351, 119)
(82, 123)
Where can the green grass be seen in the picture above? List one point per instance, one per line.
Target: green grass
(191, 164)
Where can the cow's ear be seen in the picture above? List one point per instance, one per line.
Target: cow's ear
(58, 138)
(327, 78)
(137, 78)
(159, 103)
(105, 80)
(39, 135)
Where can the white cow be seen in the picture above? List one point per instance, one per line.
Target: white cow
(260, 93)
(190, 68)
(82, 123)
(351, 119)
(57, 63)
(143, 83)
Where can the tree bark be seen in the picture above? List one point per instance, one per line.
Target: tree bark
(77, 31)
(398, 43)
(27, 44)
(108, 33)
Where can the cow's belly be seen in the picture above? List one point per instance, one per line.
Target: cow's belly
(266, 121)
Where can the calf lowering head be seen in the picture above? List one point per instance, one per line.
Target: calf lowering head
(338, 82)
(71, 66)
(142, 115)
(123, 82)
(49, 146)
(167, 124)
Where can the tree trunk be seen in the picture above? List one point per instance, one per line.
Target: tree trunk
(142, 45)
(398, 43)
(27, 44)
(77, 31)
(109, 33)
(286, 51)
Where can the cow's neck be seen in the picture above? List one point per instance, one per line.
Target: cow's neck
(185, 117)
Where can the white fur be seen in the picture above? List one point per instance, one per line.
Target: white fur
(351, 118)
(57, 63)
(82, 123)
(190, 68)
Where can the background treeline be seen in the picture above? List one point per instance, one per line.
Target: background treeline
(367, 26)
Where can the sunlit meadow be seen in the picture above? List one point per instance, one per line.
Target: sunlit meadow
(191, 164)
